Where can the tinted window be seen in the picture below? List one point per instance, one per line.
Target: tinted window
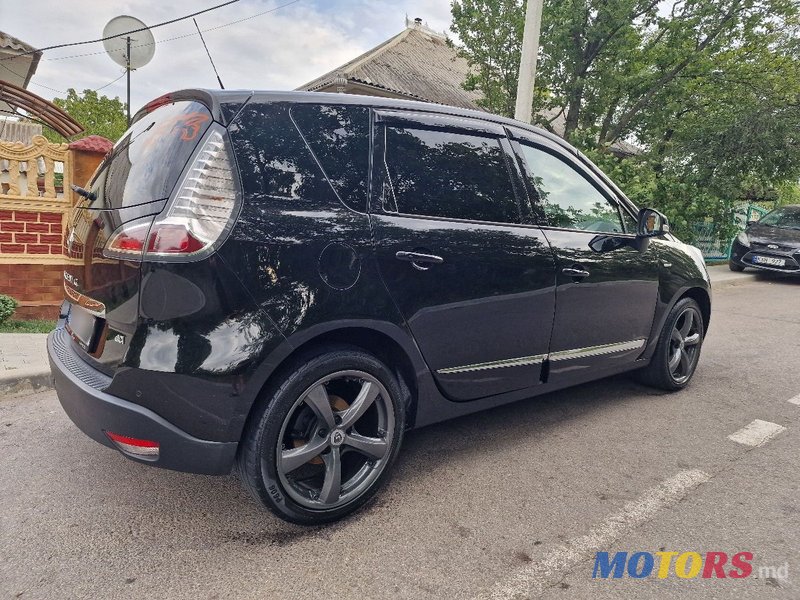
(145, 164)
(339, 137)
(568, 199)
(442, 174)
(274, 160)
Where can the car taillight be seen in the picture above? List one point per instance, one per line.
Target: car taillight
(146, 449)
(196, 216)
(127, 242)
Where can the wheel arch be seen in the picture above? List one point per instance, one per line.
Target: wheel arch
(384, 341)
(698, 290)
(703, 299)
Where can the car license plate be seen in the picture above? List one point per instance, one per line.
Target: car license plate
(768, 260)
(82, 325)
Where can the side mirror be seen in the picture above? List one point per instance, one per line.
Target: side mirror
(751, 223)
(651, 223)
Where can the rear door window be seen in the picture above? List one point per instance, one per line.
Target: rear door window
(439, 173)
(145, 164)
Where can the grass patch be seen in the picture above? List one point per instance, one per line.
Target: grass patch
(36, 326)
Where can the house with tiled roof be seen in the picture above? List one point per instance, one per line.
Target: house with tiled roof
(419, 64)
(416, 64)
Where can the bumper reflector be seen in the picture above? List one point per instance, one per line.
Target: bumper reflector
(146, 449)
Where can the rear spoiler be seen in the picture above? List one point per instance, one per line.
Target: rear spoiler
(224, 105)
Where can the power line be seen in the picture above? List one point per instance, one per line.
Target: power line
(180, 37)
(102, 87)
(177, 37)
(10, 70)
(22, 77)
(200, 12)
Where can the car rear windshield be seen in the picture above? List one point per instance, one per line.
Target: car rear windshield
(147, 161)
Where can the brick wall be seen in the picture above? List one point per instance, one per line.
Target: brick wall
(38, 288)
(26, 232)
(32, 219)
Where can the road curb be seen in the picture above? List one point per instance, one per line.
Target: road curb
(731, 283)
(25, 382)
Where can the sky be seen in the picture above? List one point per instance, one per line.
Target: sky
(279, 51)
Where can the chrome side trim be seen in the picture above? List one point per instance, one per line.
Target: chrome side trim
(496, 364)
(597, 350)
(539, 358)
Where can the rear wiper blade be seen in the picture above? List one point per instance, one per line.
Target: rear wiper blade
(91, 196)
(107, 160)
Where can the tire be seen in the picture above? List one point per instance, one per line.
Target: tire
(675, 360)
(734, 267)
(337, 411)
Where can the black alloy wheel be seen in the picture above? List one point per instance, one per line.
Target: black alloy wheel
(323, 442)
(675, 359)
(684, 344)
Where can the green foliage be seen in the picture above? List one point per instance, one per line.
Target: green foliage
(788, 193)
(492, 47)
(709, 90)
(7, 307)
(100, 115)
(34, 326)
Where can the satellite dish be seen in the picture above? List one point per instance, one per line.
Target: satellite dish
(142, 43)
(130, 50)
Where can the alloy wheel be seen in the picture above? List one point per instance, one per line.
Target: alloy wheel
(335, 440)
(684, 345)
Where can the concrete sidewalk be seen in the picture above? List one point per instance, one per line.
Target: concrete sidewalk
(722, 276)
(23, 363)
(23, 356)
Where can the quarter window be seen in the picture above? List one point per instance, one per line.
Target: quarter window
(339, 137)
(444, 174)
(567, 197)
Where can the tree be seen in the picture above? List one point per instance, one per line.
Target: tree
(708, 89)
(100, 115)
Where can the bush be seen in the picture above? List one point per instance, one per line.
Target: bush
(7, 307)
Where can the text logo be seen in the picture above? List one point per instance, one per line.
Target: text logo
(685, 565)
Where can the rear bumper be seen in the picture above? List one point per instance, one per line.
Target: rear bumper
(79, 387)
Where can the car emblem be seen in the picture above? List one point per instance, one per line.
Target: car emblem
(772, 246)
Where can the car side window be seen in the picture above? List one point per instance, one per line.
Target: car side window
(438, 173)
(567, 198)
(339, 137)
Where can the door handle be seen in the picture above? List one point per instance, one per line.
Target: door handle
(419, 259)
(575, 273)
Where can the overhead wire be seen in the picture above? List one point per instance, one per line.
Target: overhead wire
(182, 36)
(84, 42)
(102, 87)
(10, 70)
(178, 37)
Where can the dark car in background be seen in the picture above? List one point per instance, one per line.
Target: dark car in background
(285, 283)
(769, 244)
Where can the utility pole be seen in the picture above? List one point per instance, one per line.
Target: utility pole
(527, 62)
(128, 71)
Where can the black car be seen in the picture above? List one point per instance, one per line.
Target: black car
(285, 283)
(770, 244)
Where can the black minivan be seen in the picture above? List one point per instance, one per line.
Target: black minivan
(285, 283)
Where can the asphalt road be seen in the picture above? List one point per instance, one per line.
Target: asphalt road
(511, 503)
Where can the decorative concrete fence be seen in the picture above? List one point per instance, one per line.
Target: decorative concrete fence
(35, 198)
